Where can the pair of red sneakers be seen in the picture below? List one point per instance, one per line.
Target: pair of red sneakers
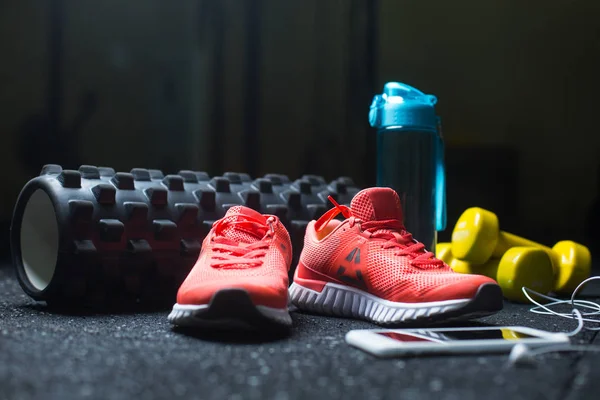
(366, 266)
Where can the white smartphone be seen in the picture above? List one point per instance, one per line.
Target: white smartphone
(400, 342)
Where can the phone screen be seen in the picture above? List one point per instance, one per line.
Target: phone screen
(441, 336)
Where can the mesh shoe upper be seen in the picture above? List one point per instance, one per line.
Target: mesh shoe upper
(371, 250)
(244, 250)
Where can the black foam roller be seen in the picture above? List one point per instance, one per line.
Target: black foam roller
(99, 237)
(280, 182)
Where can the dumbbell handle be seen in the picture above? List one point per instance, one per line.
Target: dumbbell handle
(507, 241)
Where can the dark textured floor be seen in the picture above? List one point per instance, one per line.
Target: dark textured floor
(50, 356)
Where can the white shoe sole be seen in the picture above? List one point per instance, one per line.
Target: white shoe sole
(345, 301)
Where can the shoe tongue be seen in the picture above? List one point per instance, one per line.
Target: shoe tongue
(243, 234)
(376, 204)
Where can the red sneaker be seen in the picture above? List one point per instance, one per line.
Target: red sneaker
(241, 276)
(368, 266)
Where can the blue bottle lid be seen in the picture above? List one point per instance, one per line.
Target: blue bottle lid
(403, 107)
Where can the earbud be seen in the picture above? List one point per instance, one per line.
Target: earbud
(521, 355)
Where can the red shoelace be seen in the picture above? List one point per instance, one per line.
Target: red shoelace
(231, 254)
(399, 238)
(393, 230)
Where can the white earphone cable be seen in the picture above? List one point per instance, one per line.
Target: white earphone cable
(526, 355)
(575, 313)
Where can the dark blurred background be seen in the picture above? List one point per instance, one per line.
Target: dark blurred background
(285, 86)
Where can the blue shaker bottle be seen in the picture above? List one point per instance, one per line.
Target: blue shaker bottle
(410, 157)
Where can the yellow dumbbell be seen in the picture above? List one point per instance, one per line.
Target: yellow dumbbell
(443, 251)
(477, 238)
(519, 266)
(509, 334)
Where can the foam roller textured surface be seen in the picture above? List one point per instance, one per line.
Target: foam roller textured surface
(131, 237)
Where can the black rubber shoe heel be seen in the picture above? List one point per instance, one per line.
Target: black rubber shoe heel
(230, 309)
(487, 301)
